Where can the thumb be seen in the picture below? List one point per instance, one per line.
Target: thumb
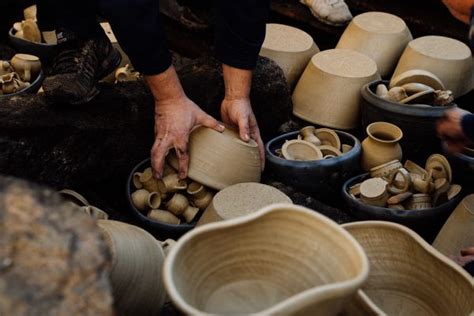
(208, 121)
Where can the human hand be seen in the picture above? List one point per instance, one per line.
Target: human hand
(467, 255)
(449, 128)
(238, 113)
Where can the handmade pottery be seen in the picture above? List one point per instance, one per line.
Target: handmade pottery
(29, 13)
(135, 274)
(219, 160)
(424, 183)
(407, 276)
(386, 169)
(5, 67)
(177, 204)
(136, 180)
(290, 48)
(163, 216)
(423, 97)
(308, 135)
(167, 245)
(172, 183)
(448, 59)
(328, 92)
(279, 261)
(417, 76)
(50, 38)
(328, 137)
(414, 88)
(74, 197)
(457, 233)
(454, 191)
(27, 66)
(124, 74)
(440, 167)
(190, 213)
(399, 198)
(329, 151)
(143, 200)
(200, 196)
(396, 94)
(94, 212)
(419, 201)
(148, 181)
(346, 148)
(381, 145)
(381, 91)
(241, 199)
(399, 207)
(380, 36)
(414, 168)
(17, 26)
(30, 31)
(443, 98)
(374, 192)
(301, 150)
(9, 84)
(395, 187)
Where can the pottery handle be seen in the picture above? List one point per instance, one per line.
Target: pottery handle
(392, 187)
(27, 73)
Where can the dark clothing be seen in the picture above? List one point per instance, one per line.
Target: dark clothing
(137, 24)
(467, 124)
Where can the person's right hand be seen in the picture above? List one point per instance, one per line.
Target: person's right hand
(449, 128)
(174, 120)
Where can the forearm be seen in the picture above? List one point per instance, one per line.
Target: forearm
(165, 86)
(237, 82)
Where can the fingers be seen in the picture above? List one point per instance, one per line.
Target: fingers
(209, 121)
(255, 134)
(181, 147)
(158, 155)
(468, 251)
(244, 131)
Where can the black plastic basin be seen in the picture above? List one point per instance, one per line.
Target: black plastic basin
(44, 51)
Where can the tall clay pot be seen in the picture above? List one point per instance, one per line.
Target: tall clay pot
(381, 145)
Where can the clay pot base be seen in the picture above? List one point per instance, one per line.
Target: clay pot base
(284, 38)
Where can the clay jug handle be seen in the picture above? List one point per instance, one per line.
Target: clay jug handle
(392, 186)
(27, 73)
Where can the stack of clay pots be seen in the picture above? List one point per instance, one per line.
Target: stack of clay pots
(408, 186)
(313, 144)
(171, 199)
(18, 74)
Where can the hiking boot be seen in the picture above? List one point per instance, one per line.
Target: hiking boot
(332, 12)
(78, 67)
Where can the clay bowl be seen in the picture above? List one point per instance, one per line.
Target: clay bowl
(31, 89)
(219, 160)
(290, 48)
(321, 177)
(160, 229)
(418, 122)
(408, 217)
(286, 260)
(462, 165)
(408, 276)
(42, 50)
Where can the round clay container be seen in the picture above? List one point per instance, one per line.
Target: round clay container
(328, 92)
(380, 36)
(301, 150)
(290, 48)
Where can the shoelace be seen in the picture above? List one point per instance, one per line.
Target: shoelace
(77, 60)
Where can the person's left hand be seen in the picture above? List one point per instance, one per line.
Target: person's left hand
(238, 113)
(449, 128)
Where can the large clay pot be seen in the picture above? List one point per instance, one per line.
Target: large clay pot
(408, 276)
(281, 260)
(219, 160)
(290, 48)
(448, 59)
(381, 145)
(240, 200)
(328, 92)
(379, 35)
(137, 260)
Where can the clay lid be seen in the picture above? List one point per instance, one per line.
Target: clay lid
(380, 22)
(440, 47)
(373, 188)
(345, 63)
(286, 38)
(417, 76)
(246, 198)
(328, 137)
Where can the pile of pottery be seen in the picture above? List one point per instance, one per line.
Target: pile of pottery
(313, 144)
(126, 74)
(18, 74)
(416, 87)
(28, 28)
(170, 199)
(408, 186)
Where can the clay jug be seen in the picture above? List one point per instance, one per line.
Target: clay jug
(381, 145)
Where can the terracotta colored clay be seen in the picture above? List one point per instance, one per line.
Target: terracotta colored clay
(177, 204)
(381, 145)
(374, 192)
(399, 198)
(386, 169)
(301, 150)
(308, 134)
(27, 66)
(328, 137)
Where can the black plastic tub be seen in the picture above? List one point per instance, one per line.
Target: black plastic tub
(426, 222)
(418, 122)
(322, 178)
(31, 89)
(44, 51)
(159, 229)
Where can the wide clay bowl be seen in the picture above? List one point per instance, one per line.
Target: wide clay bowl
(418, 122)
(219, 160)
(31, 89)
(407, 275)
(281, 260)
(160, 229)
(42, 50)
(321, 177)
(368, 212)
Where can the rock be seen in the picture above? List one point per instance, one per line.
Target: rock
(53, 260)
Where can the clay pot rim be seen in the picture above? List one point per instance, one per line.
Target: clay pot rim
(12, 33)
(297, 299)
(313, 147)
(395, 140)
(361, 210)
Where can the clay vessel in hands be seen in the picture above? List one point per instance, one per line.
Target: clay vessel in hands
(219, 160)
(381, 145)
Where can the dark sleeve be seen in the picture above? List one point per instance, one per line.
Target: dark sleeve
(467, 124)
(139, 29)
(240, 31)
(470, 268)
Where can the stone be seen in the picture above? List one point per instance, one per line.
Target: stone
(53, 260)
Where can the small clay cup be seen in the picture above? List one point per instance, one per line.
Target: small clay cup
(163, 216)
(172, 183)
(190, 213)
(330, 151)
(419, 201)
(200, 196)
(328, 137)
(136, 180)
(308, 134)
(143, 200)
(301, 150)
(148, 181)
(124, 74)
(177, 204)
(374, 192)
(27, 66)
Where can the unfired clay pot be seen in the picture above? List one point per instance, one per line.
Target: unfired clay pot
(290, 48)
(200, 196)
(301, 150)
(240, 200)
(328, 92)
(381, 145)
(282, 260)
(27, 66)
(380, 36)
(163, 216)
(219, 160)
(135, 275)
(384, 170)
(308, 134)
(171, 183)
(143, 200)
(448, 59)
(148, 180)
(374, 192)
(177, 204)
(30, 31)
(407, 275)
